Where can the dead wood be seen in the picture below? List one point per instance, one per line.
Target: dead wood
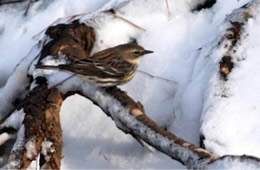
(74, 40)
(43, 134)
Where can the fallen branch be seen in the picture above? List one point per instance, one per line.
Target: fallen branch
(42, 131)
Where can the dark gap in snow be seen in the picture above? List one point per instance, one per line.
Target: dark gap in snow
(16, 102)
(41, 80)
(111, 11)
(9, 130)
(6, 146)
(205, 5)
(202, 138)
(42, 160)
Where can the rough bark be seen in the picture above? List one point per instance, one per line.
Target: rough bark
(74, 40)
(42, 124)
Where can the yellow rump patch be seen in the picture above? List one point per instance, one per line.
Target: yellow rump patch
(128, 77)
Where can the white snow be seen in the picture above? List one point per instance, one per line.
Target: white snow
(15, 87)
(186, 52)
(231, 123)
(4, 137)
(18, 146)
(15, 120)
(47, 149)
(31, 148)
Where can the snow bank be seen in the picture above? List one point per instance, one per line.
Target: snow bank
(231, 112)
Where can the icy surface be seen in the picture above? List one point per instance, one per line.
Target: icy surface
(186, 52)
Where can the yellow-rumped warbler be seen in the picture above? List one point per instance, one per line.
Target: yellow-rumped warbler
(110, 67)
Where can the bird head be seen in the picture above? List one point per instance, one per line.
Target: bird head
(133, 52)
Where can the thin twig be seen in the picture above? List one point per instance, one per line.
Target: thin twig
(168, 9)
(11, 2)
(73, 16)
(64, 80)
(156, 77)
(125, 20)
(28, 8)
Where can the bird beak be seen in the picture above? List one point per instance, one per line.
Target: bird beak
(147, 51)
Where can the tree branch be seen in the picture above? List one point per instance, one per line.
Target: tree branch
(42, 130)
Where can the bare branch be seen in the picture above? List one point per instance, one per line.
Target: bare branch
(130, 117)
(112, 12)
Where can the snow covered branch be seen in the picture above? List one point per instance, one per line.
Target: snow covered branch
(130, 117)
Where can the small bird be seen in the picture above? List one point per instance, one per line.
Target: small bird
(110, 67)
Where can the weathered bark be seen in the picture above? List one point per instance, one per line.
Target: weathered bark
(42, 128)
(74, 40)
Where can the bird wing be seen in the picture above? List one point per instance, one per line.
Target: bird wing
(112, 66)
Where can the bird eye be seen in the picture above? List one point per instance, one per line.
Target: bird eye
(137, 53)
